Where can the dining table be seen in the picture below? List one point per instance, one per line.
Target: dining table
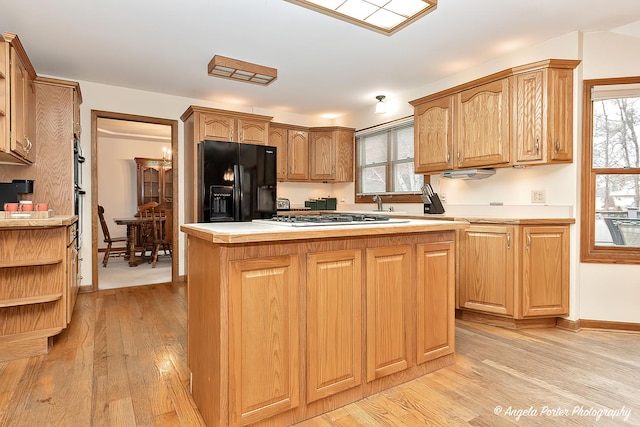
(135, 236)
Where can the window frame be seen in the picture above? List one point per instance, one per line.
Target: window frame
(589, 251)
(386, 197)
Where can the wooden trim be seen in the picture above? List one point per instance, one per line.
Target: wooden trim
(589, 252)
(17, 45)
(194, 108)
(175, 242)
(569, 325)
(60, 82)
(507, 322)
(608, 325)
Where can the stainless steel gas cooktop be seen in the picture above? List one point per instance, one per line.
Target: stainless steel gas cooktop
(330, 219)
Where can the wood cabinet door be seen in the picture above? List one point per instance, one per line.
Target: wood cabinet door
(217, 127)
(5, 102)
(388, 315)
(482, 123)
(73, 283)
(20, 141)
(298, 155)
(486, 276)
(435, 300)
(545, 271)
(253, 131)
(529, 138)
(263, 338)
(278, 139)
(334, 322)
(560, 114)
(322, 156)
(433, 130)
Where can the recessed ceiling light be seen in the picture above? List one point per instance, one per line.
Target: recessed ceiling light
(383, 16)
(234, 69)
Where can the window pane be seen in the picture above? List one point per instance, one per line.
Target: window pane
(374, 149)
(404, 141)
(374, 180)
(405, 180)
(617, 199)
(616, 126)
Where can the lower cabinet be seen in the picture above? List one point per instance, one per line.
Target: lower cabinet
(334, 322)
(435, 302)
(388, 284)
(514, 271)
(263, 344)
(33, 289)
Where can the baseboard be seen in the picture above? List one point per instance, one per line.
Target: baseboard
(504, 321)
(610, 326)
(567, 324)
(182, 278)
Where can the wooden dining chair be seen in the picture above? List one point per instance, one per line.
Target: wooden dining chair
(144, 239)
(162, 220)
(108, 239)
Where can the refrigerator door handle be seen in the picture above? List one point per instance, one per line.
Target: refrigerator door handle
(237, 192)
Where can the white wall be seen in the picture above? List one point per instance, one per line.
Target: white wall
(117, 178)
(609, 291)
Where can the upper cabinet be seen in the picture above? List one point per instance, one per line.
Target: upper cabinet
(236, 127)
(481, 134)
(519, 116)
(313, 154)
(543, 113)
(331, 154)
(433, 128)
(17, 103)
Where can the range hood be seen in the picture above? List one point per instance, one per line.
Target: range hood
(468, 174)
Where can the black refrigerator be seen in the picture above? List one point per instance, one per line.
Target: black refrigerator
(236, 182)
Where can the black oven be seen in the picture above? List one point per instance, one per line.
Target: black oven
(78, 160)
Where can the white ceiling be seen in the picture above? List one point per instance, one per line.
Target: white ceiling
(324, 65)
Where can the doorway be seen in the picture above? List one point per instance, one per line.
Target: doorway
(117, 139)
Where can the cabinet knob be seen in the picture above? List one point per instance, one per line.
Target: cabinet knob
(528, 241)
(509, 241)
(537, 145)
(557, 145)
(448, 156)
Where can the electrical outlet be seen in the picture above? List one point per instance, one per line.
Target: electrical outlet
(443, 197)
(538, 196)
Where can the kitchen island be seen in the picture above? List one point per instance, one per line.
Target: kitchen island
(286, 323)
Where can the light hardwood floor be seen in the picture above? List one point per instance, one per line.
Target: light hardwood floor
(122, 363)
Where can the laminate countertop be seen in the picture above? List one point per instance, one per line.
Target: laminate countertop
(54, 221)
(253, 232)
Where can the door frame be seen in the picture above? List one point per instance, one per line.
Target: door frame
(98, 114)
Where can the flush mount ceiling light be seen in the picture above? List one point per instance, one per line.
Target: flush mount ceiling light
(234, 69)
(383, 16)
(381, 107)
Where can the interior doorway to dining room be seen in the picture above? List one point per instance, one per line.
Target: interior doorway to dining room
(133, 162)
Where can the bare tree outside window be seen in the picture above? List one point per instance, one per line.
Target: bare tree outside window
(616, 151)
(385, 161)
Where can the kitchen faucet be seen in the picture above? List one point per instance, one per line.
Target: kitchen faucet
(378, 200)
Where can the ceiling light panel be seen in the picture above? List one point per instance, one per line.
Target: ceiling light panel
(234, 69)
(383, 16)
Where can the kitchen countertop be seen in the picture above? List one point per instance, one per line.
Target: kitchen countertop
(446, 217)
(54, 221)
(250, 232)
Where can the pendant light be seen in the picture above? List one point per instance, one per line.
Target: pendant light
(381, 107)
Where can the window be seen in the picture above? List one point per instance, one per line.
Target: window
(385, 163)
(611, 164)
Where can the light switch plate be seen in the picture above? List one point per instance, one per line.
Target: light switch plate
(538, 196)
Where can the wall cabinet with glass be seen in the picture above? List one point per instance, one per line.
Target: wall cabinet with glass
(155, 180)
(17, 103)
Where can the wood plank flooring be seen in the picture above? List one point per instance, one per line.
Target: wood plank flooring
(122, 363)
